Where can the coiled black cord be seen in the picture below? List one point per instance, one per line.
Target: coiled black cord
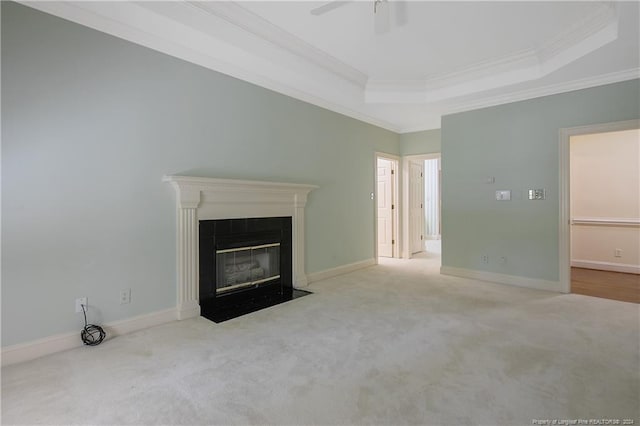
(91, 335)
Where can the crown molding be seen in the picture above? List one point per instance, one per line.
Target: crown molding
(590, 25)
(516, 68)
(139, 25)
(580, 39)
(234, 41)
(538, 92)
(260, 27)
(413, 129)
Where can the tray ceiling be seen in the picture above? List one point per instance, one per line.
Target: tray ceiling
(436, 58)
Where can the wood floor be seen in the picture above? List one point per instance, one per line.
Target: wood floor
(606, 284)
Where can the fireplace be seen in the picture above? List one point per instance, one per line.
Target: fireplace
(201, 200)
(245, 265)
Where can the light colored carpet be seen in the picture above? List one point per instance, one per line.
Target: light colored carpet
(392, 344)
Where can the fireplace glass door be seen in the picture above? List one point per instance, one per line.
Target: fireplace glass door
(243, 267)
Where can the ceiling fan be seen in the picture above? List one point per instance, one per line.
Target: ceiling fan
(381, 13)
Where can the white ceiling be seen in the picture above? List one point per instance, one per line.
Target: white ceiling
(437, 38)
(437, 57)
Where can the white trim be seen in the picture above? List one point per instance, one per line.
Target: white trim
(237, 15)
(606, 266)
(340, 270)
(538, 92)
(493, 277)
(605, 221)
(395, 251)
(233, 185)
(433, 125)
(272, 70)
(263, 54)
(61, 342)
(586, 36)
(564, 196)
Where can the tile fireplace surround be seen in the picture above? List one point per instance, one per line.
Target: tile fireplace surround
(199, 198)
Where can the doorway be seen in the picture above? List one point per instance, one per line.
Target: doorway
(416, 205)
(432, 179)
(599, 210)
(386, 211)
(605, 211)
(421, 205)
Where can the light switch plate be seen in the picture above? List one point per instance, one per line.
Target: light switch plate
(503, 195)
(536, 194)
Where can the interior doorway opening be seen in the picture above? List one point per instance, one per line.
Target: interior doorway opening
(386, 205)
(432, 181)
(590, 232)
(416, 206)
(421, 205)
(605, 214)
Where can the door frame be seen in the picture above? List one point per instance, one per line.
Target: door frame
(395, 252)
(564, 225)
(406, 225)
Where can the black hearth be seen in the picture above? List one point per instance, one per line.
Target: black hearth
(245, 265)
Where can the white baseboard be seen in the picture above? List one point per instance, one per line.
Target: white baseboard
(606, 266)
(502, 278)
(344, 269)
(62, 342)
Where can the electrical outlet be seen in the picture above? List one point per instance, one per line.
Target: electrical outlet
(125, 296)
(79, 302)
(617, 252)
(485, 259)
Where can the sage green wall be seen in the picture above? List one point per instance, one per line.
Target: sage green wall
(91, 123)
(516, 143)
(424, 142)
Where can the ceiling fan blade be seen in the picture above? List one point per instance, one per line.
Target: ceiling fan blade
(381, 17)
(328, 7)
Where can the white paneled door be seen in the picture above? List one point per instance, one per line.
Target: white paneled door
(385, 177)
(416, 208)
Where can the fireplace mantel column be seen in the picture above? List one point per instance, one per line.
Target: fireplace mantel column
(300, 276)
(188, 269)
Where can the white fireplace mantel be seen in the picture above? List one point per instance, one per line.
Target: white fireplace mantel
(199, 198)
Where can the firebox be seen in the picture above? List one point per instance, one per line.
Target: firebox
(245, 265)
